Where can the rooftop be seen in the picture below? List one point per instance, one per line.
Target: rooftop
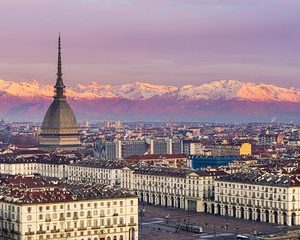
(35, 189)
(94, 163)
(43, 158)
(172, 172)
(262, 179)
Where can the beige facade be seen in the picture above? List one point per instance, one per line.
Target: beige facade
(97, 172)
(36, 208)
(267, 198)
(179, 188)
(30, 168)
(80, 220)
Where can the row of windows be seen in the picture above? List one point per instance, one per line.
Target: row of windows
(88, 214)
(262, 188)
(81, 206)
(82, 224)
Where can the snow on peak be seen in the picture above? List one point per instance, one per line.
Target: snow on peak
(141, 90)
(216, 90)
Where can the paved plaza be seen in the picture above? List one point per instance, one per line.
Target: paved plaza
(158, 222)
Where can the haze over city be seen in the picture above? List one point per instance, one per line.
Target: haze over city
(167, 42)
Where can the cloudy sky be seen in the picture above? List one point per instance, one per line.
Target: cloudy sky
(171, 42)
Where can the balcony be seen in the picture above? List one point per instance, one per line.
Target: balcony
(69, 229)
(62, 219)
(29, 233)
(82, 228)
(122, 225)
(55, 230)
(131, 224)
(75, 217)
(115, 214)
(48, 220)
(109, 226)
(89, 216)
(41, 232)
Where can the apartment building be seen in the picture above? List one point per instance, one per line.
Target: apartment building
(257, 196)
(231, 150)
(46, 165)
(119, 149)
(33, 208)
(93, 171)
(181, 188)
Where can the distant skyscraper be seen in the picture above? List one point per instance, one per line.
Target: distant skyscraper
(59, 126)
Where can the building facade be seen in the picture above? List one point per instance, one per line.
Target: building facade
(46, 210)
(119, 149)
(91, 171)
(231, 150)
(181, 188)
(258, 197)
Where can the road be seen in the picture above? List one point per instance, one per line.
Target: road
(154, 225)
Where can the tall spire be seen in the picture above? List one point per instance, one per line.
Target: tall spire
(59, 86)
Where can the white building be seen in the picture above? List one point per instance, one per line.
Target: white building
(45, 165)
(36, 209)
(260, 197)
(181, 188)
(93, 171)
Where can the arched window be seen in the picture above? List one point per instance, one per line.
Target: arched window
(115, 237)
(108, 238)
(121, 237)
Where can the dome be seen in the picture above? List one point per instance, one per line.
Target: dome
(59, 117)
(59, 126)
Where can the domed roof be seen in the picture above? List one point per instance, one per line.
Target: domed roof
(59, 116)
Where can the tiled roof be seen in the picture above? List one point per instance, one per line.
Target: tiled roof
(262, 179)
(33, 190)
(100, 164)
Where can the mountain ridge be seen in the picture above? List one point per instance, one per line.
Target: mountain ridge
(221, 101)
(215, 90)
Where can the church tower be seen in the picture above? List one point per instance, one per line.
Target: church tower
(59, 128)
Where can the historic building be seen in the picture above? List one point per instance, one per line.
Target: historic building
(181, 188)
(259, 197)
(95, 171)
(59, 128)
(34, 208)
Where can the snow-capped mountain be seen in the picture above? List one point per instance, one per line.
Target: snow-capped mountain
(224, 100)
(217, 90)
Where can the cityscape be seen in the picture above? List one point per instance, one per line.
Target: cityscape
(184, 153)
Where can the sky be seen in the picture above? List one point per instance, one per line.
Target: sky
(171, 42)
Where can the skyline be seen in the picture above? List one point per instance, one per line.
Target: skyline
(174, 43)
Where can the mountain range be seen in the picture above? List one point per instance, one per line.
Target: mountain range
(217, 101)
